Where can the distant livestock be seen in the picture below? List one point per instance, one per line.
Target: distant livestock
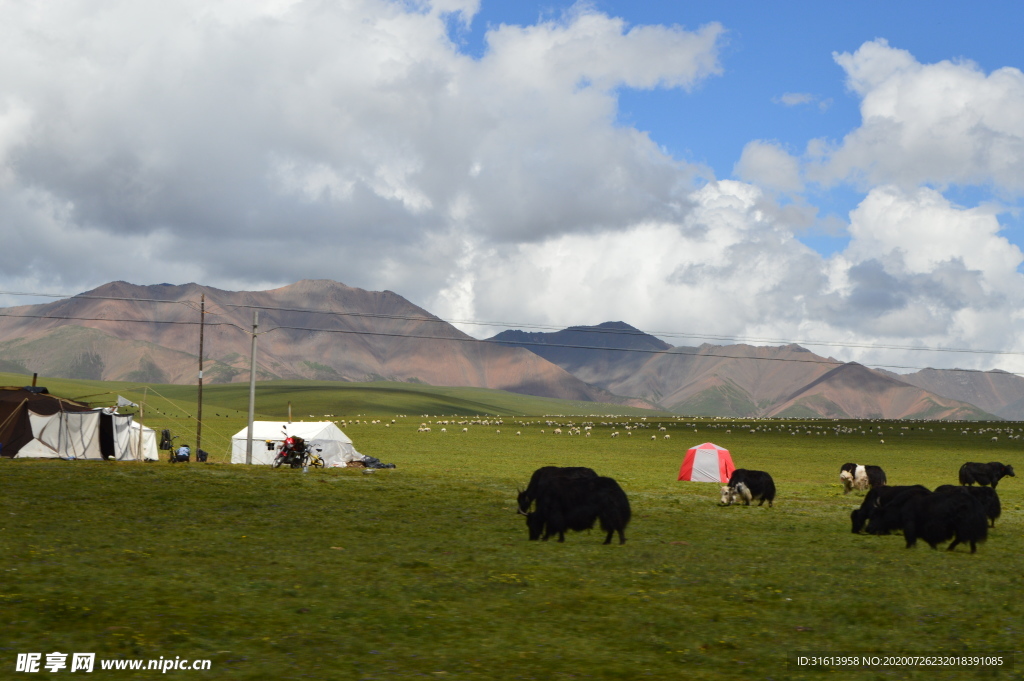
(941, 516)
(986, 496)
(576, 504)
(984, 473)
(544, 476)
(858, 477)
(882, 508)
(747, 485)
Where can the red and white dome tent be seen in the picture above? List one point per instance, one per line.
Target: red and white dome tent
(707, 463)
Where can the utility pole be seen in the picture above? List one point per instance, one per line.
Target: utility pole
(199, 414)
(252, 387)
(139, 453)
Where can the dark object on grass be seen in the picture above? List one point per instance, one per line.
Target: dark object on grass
(885, 516)
(855, 476)
(749, 485)
(372, 462)
(984, 473)
(986, 496)
(165, 440)
(941, 516)
(543, 475)
(576, 504)
(201, 456)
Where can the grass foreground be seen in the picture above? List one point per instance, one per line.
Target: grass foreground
(425, 571)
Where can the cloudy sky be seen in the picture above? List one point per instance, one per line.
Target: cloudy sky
(848, 174)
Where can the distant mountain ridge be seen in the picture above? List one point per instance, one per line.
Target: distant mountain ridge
(736, 380)
(353, 335)
(995, 391)
(324, 330)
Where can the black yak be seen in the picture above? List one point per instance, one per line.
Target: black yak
(882, 508)
(749, 485)
(941, 516)
(986, 496)
(576, 504)
(543, 475)
(854, 476)
(984, 473)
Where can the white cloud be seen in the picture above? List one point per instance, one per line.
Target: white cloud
(243, 144)
(919, 267)
(725, 266)
(919, 270)
(801, 98)
(769, 165)
(941, 124)
(257, 128)
(795, 98)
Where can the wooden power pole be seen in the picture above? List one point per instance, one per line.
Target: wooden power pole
(199, 409)
(252, 387)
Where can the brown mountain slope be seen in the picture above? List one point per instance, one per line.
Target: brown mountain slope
(854, 391)
(360, 335)
(734, 380)
(998, 392)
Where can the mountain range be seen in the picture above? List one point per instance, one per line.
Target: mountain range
(324, 330)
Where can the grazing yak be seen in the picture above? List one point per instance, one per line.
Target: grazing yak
(542, 475)
(749, 485)
(940, 516)
(984, 473)
(882, 508)
(854, 476)
(565, 503)
(985, 495)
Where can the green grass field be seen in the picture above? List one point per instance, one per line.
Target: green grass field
(425, 571)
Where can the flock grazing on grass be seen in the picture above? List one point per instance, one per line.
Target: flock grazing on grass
(557, 500)
(961, 513)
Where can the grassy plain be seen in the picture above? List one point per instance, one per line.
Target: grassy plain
(425, 571)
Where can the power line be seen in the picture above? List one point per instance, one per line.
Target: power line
(651, 351)
(111, 319)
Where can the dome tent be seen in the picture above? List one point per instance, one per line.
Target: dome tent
(707, 463)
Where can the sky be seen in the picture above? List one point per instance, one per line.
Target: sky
(847, 176)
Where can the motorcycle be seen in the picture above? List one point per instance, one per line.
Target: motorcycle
(297, 454)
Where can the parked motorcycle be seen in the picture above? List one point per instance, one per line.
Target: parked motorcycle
(297, 454)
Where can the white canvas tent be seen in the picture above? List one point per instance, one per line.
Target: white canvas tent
(77, 435)
(149, 449)
(268, 438)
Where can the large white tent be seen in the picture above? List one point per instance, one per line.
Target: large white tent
(78, 435)
(268, 439)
